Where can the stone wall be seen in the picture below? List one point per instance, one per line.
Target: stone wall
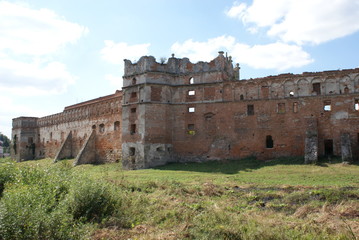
(181, 111)
(206, 113)
(101, 115)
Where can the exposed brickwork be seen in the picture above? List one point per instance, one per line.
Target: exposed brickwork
(180, 111)
(49, 133)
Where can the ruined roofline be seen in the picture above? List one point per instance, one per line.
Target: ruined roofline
(178, 65)
(25, 117)
(118, 93)
(54, 116)
(328, 73)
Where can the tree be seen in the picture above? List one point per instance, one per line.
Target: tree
(5, 140)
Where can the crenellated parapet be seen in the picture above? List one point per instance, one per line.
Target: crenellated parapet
(222, 65)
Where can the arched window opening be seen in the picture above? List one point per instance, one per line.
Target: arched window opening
(134, 81)
(132, 151)
(269, 142)
(191, 80)
(93, 127)
(241, 97)
(346, 90)
(116, 125)
(102, 128)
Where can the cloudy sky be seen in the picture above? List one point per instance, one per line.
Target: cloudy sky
(57, 53)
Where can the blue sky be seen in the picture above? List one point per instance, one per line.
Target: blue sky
(58, 53)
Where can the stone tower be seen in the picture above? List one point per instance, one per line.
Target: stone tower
(25, 139)
(151, 91)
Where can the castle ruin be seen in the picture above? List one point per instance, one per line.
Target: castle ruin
(179, 111)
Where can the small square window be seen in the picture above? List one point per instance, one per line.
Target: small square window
(191, 109)
(133, 94)
(190, 126)
(327, 106)
(133, 110)
(191, 93)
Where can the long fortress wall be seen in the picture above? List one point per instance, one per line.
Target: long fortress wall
(180, 111)
(102, 115)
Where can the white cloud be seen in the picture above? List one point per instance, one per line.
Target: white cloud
(279, 56)
(115, 53)
(311, 21)
(202, 51)
(34, 78)
(35, 32)
(29, 42)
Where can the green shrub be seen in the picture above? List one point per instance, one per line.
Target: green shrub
(90, 201)
(7, 174)
(30, 213)
(32, 205)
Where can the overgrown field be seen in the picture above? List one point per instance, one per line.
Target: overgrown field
(243, 199)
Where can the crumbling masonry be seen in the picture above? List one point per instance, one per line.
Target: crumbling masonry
(179, 111)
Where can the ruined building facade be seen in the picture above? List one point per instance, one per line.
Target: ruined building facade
(180, 111)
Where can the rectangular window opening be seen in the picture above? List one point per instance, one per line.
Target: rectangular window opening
(316, 88)
(269, 141)
(191, 109)
(281, 108)
(250, 110)
(133, 94)
(191, 93)
(328, 147)
(133, 110)
(356, 104)
(327, 106)
(191, 129)
(133, 129)
(132, 151)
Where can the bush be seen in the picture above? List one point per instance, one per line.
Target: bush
(90, 201)
(32, 207)
(30, 213)
(7, 174)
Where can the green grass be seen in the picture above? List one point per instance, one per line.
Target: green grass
(285, 171)
(241, 199)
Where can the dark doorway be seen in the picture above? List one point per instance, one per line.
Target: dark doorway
(269, 141)
(328, 147)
